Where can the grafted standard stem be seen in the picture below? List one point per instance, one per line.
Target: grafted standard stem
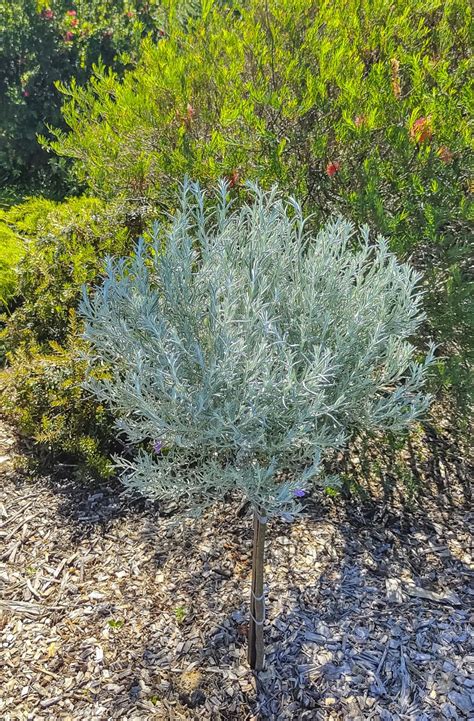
(256, 656)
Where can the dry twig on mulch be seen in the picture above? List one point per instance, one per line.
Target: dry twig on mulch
(111, 611)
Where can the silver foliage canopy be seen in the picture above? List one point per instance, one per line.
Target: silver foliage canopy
(238, 347)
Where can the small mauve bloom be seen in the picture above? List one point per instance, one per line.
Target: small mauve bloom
(422, 129)
(332, 167)
(158, 446)
(69, 36)
(445, 154)
(26, 93)
(47, 14)
(299, 493)
(72, 13)
(359, 120)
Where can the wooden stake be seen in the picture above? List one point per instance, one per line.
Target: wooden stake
(256, 656)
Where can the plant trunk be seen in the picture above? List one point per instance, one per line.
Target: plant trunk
(257, 600)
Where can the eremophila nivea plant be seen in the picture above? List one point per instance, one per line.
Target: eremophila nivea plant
(237, 348)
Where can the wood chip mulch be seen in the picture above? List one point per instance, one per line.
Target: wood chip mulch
(109, 610)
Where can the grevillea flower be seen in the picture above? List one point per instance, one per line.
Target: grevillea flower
(299, 492)
(445, 154)
(72, 13)
(158, 446)
(332, 167)
(233, 178)
(189, 117)
(422, 129)
(359, 120)
(47, 14)
(68, 36)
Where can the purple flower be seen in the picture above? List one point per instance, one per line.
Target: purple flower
(158, 446)
(299, 493)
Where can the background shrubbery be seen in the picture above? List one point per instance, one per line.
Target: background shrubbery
(11, 250)
(45, 41)
(354, 107)
(361, 109)
(64, 244)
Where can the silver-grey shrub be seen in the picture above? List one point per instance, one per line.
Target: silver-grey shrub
(237, 347)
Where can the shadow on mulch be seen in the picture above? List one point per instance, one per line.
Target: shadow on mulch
(87, 501)
(381, 519)
(439, 485)
(429, 470)
(391, 530)
(387, 652)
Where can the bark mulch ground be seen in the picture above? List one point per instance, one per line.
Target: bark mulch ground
(111, 610)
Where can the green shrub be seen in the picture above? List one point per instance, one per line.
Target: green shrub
(43, 41)
(360, 107)
(41, 391)
(65, 244)
(11, 250)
